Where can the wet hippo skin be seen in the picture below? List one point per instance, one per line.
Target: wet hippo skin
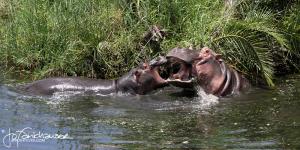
(208, 69)
(215, 77)
(140, 80)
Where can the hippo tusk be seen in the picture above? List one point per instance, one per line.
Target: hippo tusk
(181, 83)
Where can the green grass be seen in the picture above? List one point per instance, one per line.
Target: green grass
(101, 38)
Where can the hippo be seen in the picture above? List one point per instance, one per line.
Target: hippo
(215, 77)
(207, 69)
(141, 80)
(183, 58)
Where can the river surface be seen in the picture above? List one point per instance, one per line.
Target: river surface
(260, 119)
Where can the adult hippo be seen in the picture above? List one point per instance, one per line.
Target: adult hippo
(181, 59)
(215, 77)
(140, 80)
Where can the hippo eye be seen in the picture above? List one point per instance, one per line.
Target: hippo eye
(207, 51)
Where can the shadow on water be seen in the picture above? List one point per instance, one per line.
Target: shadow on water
(261, 119)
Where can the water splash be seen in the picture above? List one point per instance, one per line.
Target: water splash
(55, 99)
(64, 95)
(205, 101)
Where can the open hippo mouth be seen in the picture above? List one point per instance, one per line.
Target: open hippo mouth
(172, 71)
(158, 69)
(180, 60)
(180, 73)
(157, 72)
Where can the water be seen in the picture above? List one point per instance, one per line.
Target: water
(261, 119)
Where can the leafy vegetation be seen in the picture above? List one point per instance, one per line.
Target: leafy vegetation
(102, 38)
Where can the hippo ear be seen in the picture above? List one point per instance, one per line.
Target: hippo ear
(219, 57)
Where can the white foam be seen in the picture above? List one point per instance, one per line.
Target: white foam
(64, 95)
(66, 86)
(205, 101)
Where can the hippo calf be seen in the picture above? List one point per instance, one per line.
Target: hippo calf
(140, 80)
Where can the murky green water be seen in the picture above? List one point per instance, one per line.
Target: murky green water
(262, 119)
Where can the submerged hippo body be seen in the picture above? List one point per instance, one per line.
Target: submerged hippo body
(50, 86)
(215, 77)
(140, 80)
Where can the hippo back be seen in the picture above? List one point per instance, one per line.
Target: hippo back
(49, 86)
(185, 54)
